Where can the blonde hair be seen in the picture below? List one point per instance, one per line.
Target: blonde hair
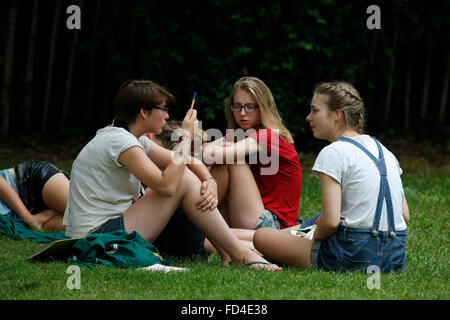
(270, 118)
(345, 97)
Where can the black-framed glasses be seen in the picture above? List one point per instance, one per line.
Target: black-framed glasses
(249, 107)
(165, 109)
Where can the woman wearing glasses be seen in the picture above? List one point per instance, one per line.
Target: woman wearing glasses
(107, 174)
(256, 164)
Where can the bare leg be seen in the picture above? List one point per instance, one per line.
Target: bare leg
(41, 219)
(55, 194)
(150, 214)
(215, 248)
(234, 181)
(54, 223)
(220, 173)
(283, 247)
(210, 249)
(245, 205)
(244, 235)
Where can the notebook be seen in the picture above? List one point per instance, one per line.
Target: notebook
(53, 249)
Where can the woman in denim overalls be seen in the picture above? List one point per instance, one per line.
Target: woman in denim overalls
(365, 212)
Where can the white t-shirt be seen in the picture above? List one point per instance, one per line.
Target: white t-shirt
(360, 181)
(100, 187)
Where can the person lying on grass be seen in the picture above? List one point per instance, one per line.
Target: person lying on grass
(34, 193)
(364, 209)
(107, 174)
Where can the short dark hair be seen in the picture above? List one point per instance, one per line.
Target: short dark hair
(136, 94)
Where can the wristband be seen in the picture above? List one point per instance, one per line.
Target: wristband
(185, 137)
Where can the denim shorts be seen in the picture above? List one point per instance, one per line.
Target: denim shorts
(111, 225)
(357, 249)
(268, 220)
(31, 176)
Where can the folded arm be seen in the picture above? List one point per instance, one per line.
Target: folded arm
(145, 170)
(221, 151)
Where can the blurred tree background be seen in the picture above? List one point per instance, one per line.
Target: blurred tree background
(59, 84)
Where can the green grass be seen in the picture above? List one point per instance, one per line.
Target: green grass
(426, 275)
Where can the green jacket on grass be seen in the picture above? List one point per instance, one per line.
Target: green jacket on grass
(118, 248)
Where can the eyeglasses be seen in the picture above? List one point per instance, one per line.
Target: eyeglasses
(165, 109)
(249, 108)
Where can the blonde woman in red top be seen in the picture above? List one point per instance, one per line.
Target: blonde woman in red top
(256, 165)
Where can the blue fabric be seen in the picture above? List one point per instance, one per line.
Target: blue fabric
(357, 249)
(4, 208)
(111, 225)
(310, 221)
(353, 248)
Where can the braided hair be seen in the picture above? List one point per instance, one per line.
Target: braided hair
(345, 97)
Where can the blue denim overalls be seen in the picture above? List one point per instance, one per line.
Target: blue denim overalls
(352, 248)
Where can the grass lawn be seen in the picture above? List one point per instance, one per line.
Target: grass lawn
(426, 275)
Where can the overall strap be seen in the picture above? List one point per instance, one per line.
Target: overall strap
(384, 192)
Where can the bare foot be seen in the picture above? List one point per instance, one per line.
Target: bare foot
(253, 260)
(226, 260)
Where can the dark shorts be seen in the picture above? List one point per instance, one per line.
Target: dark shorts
(111, 225)
(31, 176)
(180, 238)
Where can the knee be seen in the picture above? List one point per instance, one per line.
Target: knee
(260, 237)
(238, 168)
(247, 224)
(189, 181)
(189, 178)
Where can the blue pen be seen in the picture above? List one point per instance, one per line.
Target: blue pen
(193, 100)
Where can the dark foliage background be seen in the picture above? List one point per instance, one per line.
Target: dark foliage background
(401, 71)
